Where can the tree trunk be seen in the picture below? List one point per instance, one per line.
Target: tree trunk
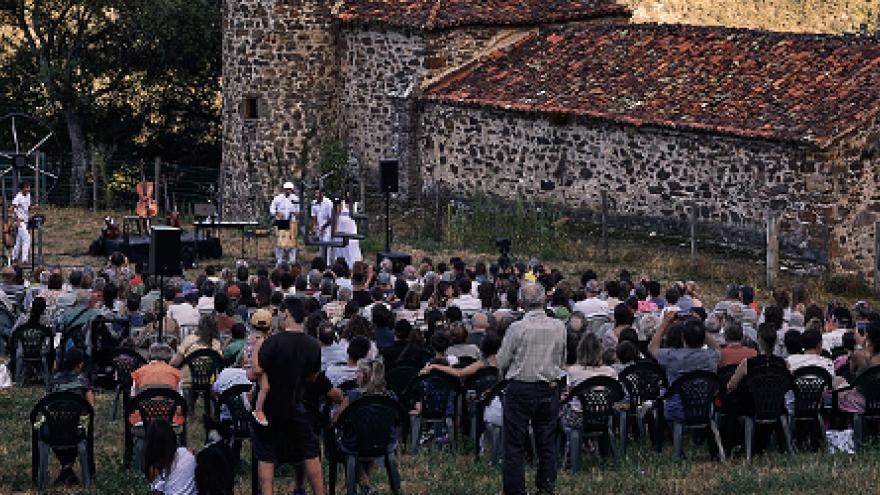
(79, 158)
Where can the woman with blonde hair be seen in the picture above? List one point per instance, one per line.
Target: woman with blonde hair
(371, 381)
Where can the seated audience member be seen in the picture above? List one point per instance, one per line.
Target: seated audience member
(700, 353)
(333, 351)
(391, 354)
(460, 348)
(792, 344)
(221, 308)
(440, 342)
(171, 470)
(69, 379)
(488, 358)
(234, 347)
(766, 344)
(734, 352)
(592, 305)
(812, 355)
(383, 322)
(842, 322)
(358, 348)
(184, 313)
(370, 382)
(466, 301)
(627, 353)
(623, 318)
(206, 337)
(479, 327)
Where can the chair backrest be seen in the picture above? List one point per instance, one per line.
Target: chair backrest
(696, 391)
(497, 390)
(241, 417)
(868, 383)
(810, 384)
(398, 379)
(372, 420)
(767, 386)
(63, 413)
(204, 366)
(597, 396)
(643, 381)
(156, 403)
(34, 341)
(436, 391)
(125, 361)
(483, 380)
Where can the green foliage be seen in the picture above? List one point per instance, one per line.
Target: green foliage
(847, 285)
(141, 77)
(534, 230)
(332, 159)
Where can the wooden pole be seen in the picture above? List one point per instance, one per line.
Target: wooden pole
(693, 223)
(94, 181)
(772, 249)
(877, 257)
(605, 224)
(157, 173)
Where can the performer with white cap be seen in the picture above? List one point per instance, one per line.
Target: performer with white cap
(285, 208)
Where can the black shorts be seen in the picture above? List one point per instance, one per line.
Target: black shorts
(285, 441)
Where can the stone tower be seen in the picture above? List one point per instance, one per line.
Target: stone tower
(280, 97)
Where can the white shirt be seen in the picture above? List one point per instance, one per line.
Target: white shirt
(592, 306)
(184, 314)
(22, 205)
(467, 303)
(287, 206)
(833, 339)
(337, 374)
(322, 213)
(181, 478)
(796, 361)
(205, 304)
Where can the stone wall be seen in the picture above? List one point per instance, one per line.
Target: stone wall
(283, 54)
(652, 175)
(377, 69)
(854, 178)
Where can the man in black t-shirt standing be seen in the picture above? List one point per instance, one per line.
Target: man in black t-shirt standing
(290, 359)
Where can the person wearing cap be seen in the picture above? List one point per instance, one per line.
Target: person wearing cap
(284, 209)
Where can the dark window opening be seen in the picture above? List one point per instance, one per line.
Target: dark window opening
(251, 109)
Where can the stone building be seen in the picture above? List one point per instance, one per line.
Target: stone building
(496, 96)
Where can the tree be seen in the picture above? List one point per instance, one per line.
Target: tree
(117, 72)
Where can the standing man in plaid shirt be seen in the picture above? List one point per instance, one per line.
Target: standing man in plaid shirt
(531, 357)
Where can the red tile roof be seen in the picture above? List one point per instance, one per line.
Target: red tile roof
(790, 87)
(442, 14)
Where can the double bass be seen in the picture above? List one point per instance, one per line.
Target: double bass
(146, 206)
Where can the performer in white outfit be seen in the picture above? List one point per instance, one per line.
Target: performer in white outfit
(21, 206)
(285, 208)
(346, 225)
(322, 214)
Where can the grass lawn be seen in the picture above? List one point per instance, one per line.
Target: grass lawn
(440, 472)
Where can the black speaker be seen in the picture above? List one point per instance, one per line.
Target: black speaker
(165, 250)
(388, 175)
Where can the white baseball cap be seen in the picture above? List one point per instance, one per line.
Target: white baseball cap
(287, 185)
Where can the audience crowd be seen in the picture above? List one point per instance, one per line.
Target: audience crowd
(318, 334)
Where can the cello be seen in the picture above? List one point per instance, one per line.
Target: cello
(146, 206)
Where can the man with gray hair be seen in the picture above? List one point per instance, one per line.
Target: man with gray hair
(531, 357)
(156, 373)
(479, 325)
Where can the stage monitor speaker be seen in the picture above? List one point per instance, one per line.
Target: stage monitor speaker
(388, 175)
(165, 259)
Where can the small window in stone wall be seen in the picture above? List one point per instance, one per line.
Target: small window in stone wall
(250, 108)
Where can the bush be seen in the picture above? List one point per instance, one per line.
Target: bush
(848, 285)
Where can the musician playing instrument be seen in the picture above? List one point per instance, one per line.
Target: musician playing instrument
(285, 208)
(20, 210)
(322, 216)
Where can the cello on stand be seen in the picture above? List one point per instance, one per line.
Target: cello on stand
(146, 207)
